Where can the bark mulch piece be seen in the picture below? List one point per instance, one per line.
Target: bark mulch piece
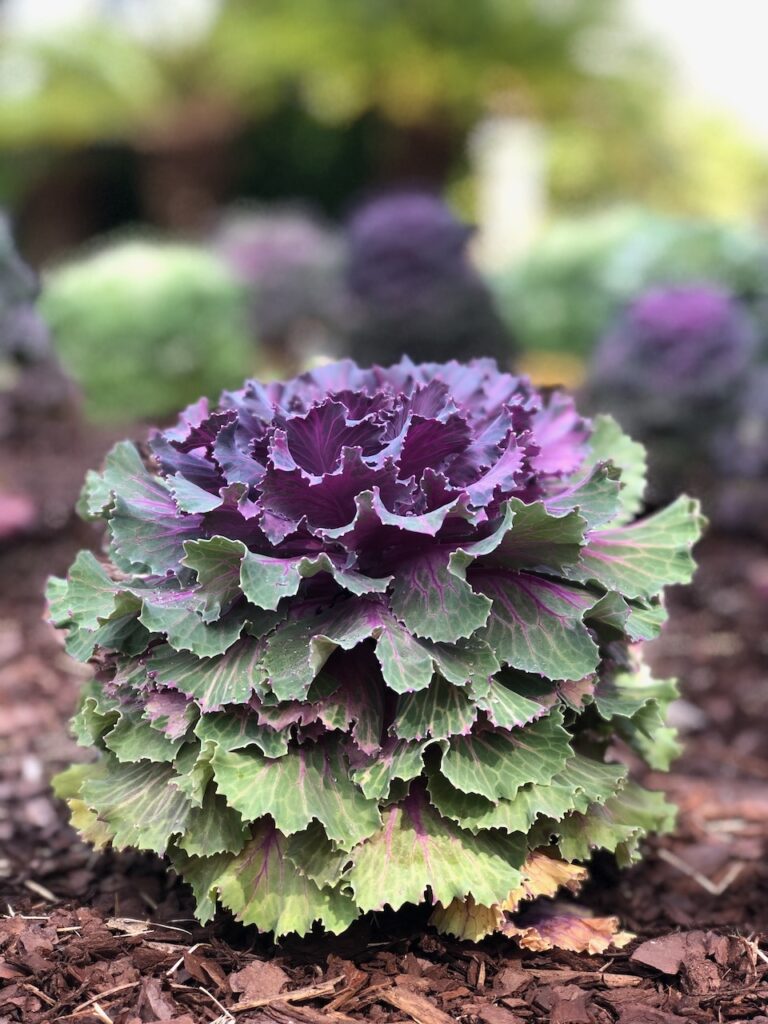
(89, 938)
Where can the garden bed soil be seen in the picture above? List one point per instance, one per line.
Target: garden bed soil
(97, 938)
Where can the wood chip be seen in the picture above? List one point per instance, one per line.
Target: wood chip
(418, 1007)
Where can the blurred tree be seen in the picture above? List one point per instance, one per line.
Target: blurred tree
(292, 77)
(325, 98)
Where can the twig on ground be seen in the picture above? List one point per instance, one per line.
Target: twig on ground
(101, 1014)
(226, 1016)
(713, 888)
(40, 890)
(99, 995)
(36, 991)
(180, 961)
(299, 995)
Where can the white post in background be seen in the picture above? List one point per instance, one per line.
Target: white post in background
(509, 161)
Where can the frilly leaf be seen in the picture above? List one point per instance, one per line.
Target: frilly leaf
(310, 782)
(495, 764)
(229, 678)
(138, 802)
(536, 624)
(262, 887)
(434, 601)
(440, 711)
(609, 443)
(638, 561)
(416, 849)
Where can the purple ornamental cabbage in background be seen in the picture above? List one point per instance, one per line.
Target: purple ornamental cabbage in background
(367, 638)
(675, 370)
(414, 287)
(290, 263)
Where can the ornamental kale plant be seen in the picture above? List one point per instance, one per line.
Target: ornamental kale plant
(147, 326)
(413, 285)
(675, 370)
(367, 638)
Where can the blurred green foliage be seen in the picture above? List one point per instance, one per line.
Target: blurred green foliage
(583, 270)
(407, 64)
(411, 59)
(147, 327)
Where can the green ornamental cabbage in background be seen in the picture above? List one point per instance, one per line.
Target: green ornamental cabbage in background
(576, 279)
(145, 327)
(369, 638)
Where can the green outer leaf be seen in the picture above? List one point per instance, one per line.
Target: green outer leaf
(398, 759)
(310, 782)
(440, 711)
(466, 661)
(67, 784)
(228, 678)
(416, 849)
(152, 542)
(610, 443)
(264, 888)
(434, 601)
(124, 633)
(640, 560)
(194, 771)
(213, 828)
(595, 496)
(234, 729)
(88, 596)
(139, 803)
(408, 664)
(201, 873)
(637, 706)
(96, 713)
(133, 739)
(582, 782)
(514, 699)
(497, 764)
(538, 540)
(405, 663)
(123, 472)
(216, 561)
(636, 620)
(314, 855)
(298, 649)
(628, 692)
(536, 624)
(179, 618)
(191, 498)
(147, 532)
(265, 580)
(617, 826)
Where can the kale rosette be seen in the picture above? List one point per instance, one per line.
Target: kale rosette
(368, 638)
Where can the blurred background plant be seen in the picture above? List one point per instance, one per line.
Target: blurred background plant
(290, 264)
(583, 270)
(413, 287)
(674, 369)
(146, 327)
(32, 383)
(681, 370)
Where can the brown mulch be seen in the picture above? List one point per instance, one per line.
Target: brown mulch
(110, 938)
